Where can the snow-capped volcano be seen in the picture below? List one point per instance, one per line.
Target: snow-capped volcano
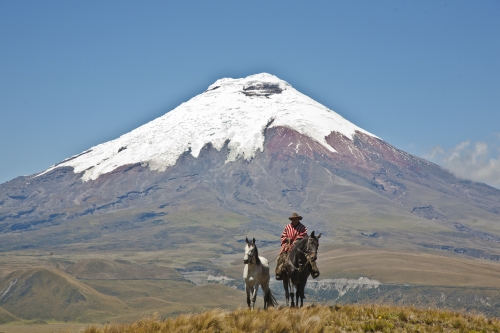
(241, 156)
(236, 111)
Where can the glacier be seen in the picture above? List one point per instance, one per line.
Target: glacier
(236, 111)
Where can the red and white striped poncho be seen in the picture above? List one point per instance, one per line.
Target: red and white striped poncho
(293, 232)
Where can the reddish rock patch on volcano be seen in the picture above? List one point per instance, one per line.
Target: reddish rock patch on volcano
(283, 141)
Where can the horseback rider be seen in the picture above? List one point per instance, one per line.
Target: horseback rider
(292, 232)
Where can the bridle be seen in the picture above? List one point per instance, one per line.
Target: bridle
(249, 255)
(309, 259)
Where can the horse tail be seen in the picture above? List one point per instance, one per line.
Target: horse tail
(269, 298)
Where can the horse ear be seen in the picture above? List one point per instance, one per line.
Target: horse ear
(254, 241)
(247, 239)
(312, 234)
(319, 235)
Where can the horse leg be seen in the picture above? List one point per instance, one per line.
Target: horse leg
(287, 294)
(297, 295)
(247, 289)
(266, 295)
(248, 296)
(300, 293)
(292, 294)
(254, 296)
(303, 289)
(270, 300)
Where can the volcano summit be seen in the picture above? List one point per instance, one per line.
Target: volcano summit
(232, 111)
(235, 161)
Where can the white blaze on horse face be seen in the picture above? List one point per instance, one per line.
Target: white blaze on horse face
(245, 257)
(248, 253)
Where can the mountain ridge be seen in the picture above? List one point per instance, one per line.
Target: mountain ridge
(80, 203)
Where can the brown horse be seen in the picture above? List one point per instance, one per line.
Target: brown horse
(304, 253)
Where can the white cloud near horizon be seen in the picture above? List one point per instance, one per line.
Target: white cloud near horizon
(479, 161)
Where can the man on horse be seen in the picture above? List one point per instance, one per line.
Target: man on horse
(292, 232)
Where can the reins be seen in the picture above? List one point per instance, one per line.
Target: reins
(302, 267)
(274, 259)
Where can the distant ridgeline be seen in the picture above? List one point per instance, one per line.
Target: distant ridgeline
(365, 291)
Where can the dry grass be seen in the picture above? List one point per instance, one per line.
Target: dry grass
(349, 318)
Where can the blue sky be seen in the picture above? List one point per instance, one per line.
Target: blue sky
(422, 75)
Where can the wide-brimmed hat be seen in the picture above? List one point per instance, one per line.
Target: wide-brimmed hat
(295, 216)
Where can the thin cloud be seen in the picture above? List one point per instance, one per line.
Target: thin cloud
(479, 161)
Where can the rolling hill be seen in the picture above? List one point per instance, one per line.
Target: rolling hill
(42, 293)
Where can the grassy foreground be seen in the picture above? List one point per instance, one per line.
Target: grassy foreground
(348, 318)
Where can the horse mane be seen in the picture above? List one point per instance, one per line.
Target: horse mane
(257, 259)
(300, 244)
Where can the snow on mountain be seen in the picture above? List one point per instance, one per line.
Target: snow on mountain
(236, 111)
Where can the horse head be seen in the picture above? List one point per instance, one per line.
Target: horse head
(250, 250)
(312, 246)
